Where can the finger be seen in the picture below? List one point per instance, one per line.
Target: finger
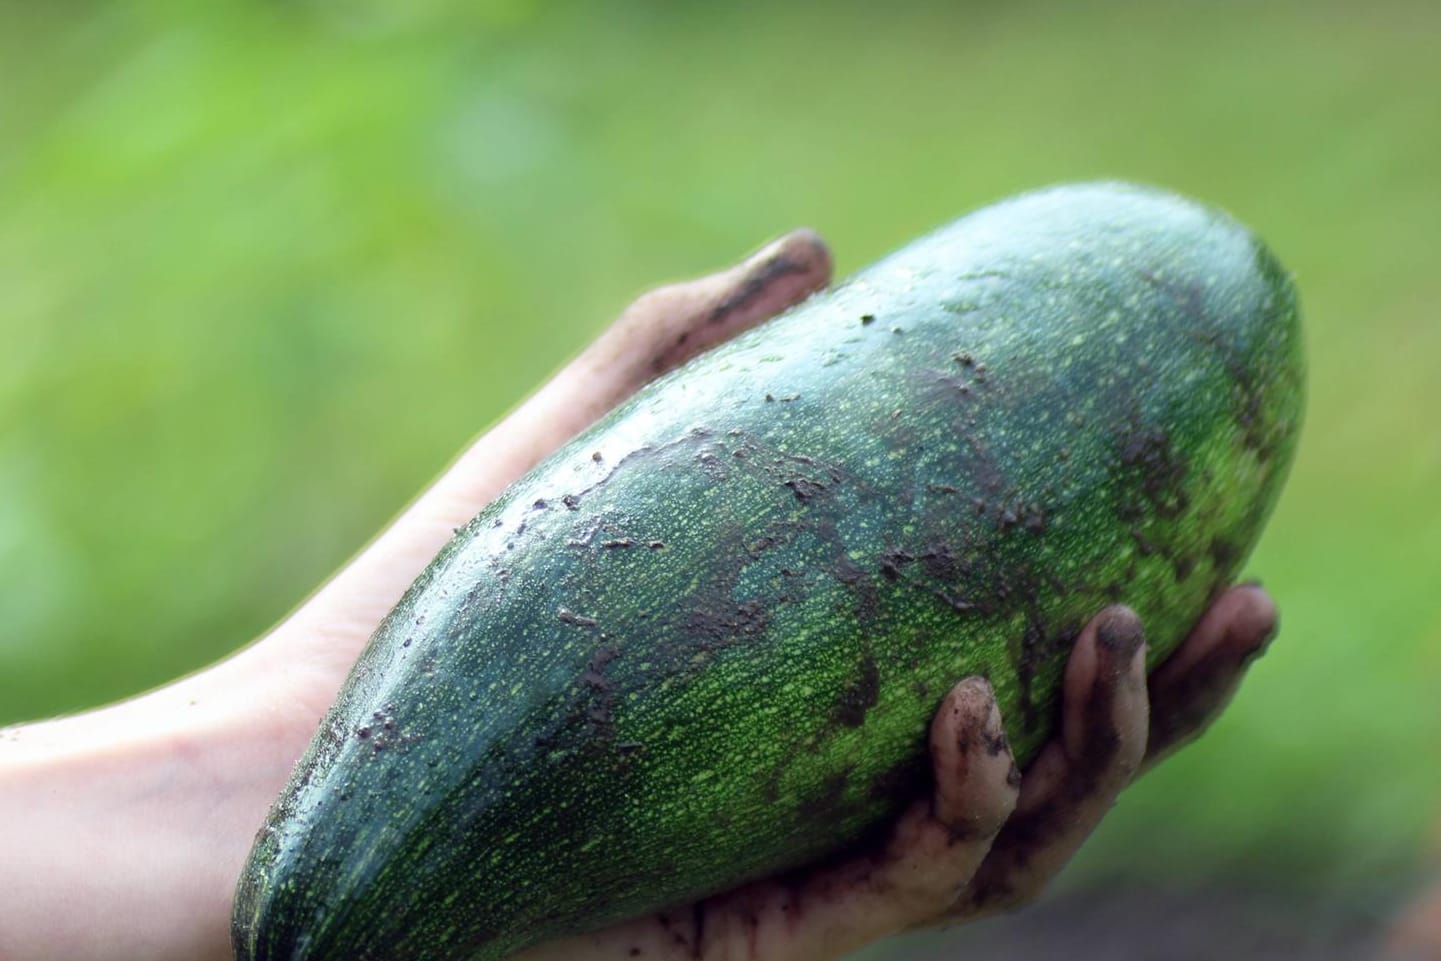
(969, 749)
(1077, 776)
(661, 329)
(670, 325)
(1188, 691)
(932, 851)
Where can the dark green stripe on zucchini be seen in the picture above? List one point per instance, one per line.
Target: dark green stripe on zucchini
(702, 643)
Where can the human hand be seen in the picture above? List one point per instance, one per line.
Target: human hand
(144, 812)
(987, 839)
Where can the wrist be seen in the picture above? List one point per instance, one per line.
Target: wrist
(124, 829)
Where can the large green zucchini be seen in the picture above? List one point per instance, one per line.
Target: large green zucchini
(701, 643)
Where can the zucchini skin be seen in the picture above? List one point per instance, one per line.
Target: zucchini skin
(702, 643)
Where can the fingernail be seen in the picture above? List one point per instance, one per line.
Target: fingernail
(977, 701)
(801, 249)
(993, 734)
(978, 719)
(1263, 643)
(1119, 636)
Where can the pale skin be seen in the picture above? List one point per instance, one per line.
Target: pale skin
(124, 829)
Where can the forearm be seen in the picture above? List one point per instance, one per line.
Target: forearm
(122, 831)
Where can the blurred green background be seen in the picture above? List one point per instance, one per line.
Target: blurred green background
(266, 266)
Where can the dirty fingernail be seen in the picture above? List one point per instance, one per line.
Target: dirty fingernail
(1119, 636)
(976, 704)
(801, 249)
(993, 732)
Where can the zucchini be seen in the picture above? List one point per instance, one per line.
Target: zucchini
(702, 643)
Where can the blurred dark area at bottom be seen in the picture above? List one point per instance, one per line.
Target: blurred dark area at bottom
(1127, 921)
